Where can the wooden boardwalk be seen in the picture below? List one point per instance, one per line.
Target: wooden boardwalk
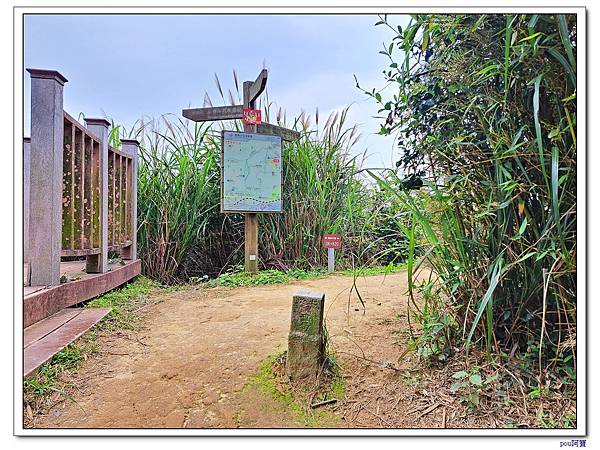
(44, 339)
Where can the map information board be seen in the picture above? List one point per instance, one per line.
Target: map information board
(250, 172)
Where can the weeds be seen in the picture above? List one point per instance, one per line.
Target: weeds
(239, 278)
(50, 384)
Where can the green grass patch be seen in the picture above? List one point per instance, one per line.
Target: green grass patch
(123, 302)
(264, 277)
(271, 381)
(374, 270)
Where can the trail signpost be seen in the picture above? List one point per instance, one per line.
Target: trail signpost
(331, 242)
(251, 163)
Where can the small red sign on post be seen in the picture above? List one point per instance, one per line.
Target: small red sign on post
(332, 241)
(251, 116)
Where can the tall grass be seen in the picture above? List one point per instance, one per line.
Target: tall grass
(181, 232)
(486, 111)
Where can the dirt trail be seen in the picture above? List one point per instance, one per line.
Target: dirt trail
(189, 360)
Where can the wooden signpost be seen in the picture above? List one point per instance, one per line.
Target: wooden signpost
(252, 124)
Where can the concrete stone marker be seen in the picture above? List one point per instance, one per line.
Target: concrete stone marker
(306, 342)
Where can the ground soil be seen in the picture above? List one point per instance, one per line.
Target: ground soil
(194, 350)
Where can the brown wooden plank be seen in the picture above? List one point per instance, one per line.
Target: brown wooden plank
(43, 350)
(79, 126)
(118, 152)
(80, 251)
(95, 175)
(123, 199)
(73, 187)
(129, 198)
(118, 194)
(28, 290)
(67, 199)
(44, 327)
(258, 86)
(77, 190)
(82, 190)
(44, 303)
(285, 133)
(111, 198)
(213, 113)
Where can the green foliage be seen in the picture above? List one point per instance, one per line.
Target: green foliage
(366, 271)
(183, 235)
(45, 381)
(270, 276)
(485, 114)
(471, 385)
(123, 302)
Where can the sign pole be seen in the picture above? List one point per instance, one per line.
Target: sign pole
(331, 260)
(250, 219)
(251, 91)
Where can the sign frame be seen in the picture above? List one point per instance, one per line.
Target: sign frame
(333, 241)
(222, 183)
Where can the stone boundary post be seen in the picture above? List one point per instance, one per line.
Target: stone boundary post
(99, 263)
(131, 147)
(306, 342)
(46, 161)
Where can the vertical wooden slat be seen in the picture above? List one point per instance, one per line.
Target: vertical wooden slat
(86, 215)
(123, 199)
(114, 198)
(90, 195)
(117, 198)
(128, 203)
(75, 179)
(81, 216)
(66, 191)
(95, 175)
(111, 188)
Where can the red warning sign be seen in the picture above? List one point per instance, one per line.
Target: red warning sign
(251, 116)
(332, 241)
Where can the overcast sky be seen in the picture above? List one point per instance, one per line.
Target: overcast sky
(126, 66)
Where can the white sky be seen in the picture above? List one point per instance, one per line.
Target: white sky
(128, 66)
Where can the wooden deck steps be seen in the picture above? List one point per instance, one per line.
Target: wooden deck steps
(44, 339)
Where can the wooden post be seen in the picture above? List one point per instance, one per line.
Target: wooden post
(131, 146)
(99, 263)
(46, 179)
(26, 185)
(250, 219)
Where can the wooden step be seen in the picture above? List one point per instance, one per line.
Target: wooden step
(44, 327)
(41, 344)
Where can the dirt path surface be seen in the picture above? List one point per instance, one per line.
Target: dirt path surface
(194, 351)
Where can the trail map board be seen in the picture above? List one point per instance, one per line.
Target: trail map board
(250, 172)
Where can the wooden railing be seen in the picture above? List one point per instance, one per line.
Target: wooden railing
(80, 193)
(120, 179)
(81, 190)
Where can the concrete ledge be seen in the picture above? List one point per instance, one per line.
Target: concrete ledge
(43, 303)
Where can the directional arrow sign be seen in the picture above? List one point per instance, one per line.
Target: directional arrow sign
(214, 113)
(258, 86)
(285, 133)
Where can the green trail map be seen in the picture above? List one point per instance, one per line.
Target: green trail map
(251, 172)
